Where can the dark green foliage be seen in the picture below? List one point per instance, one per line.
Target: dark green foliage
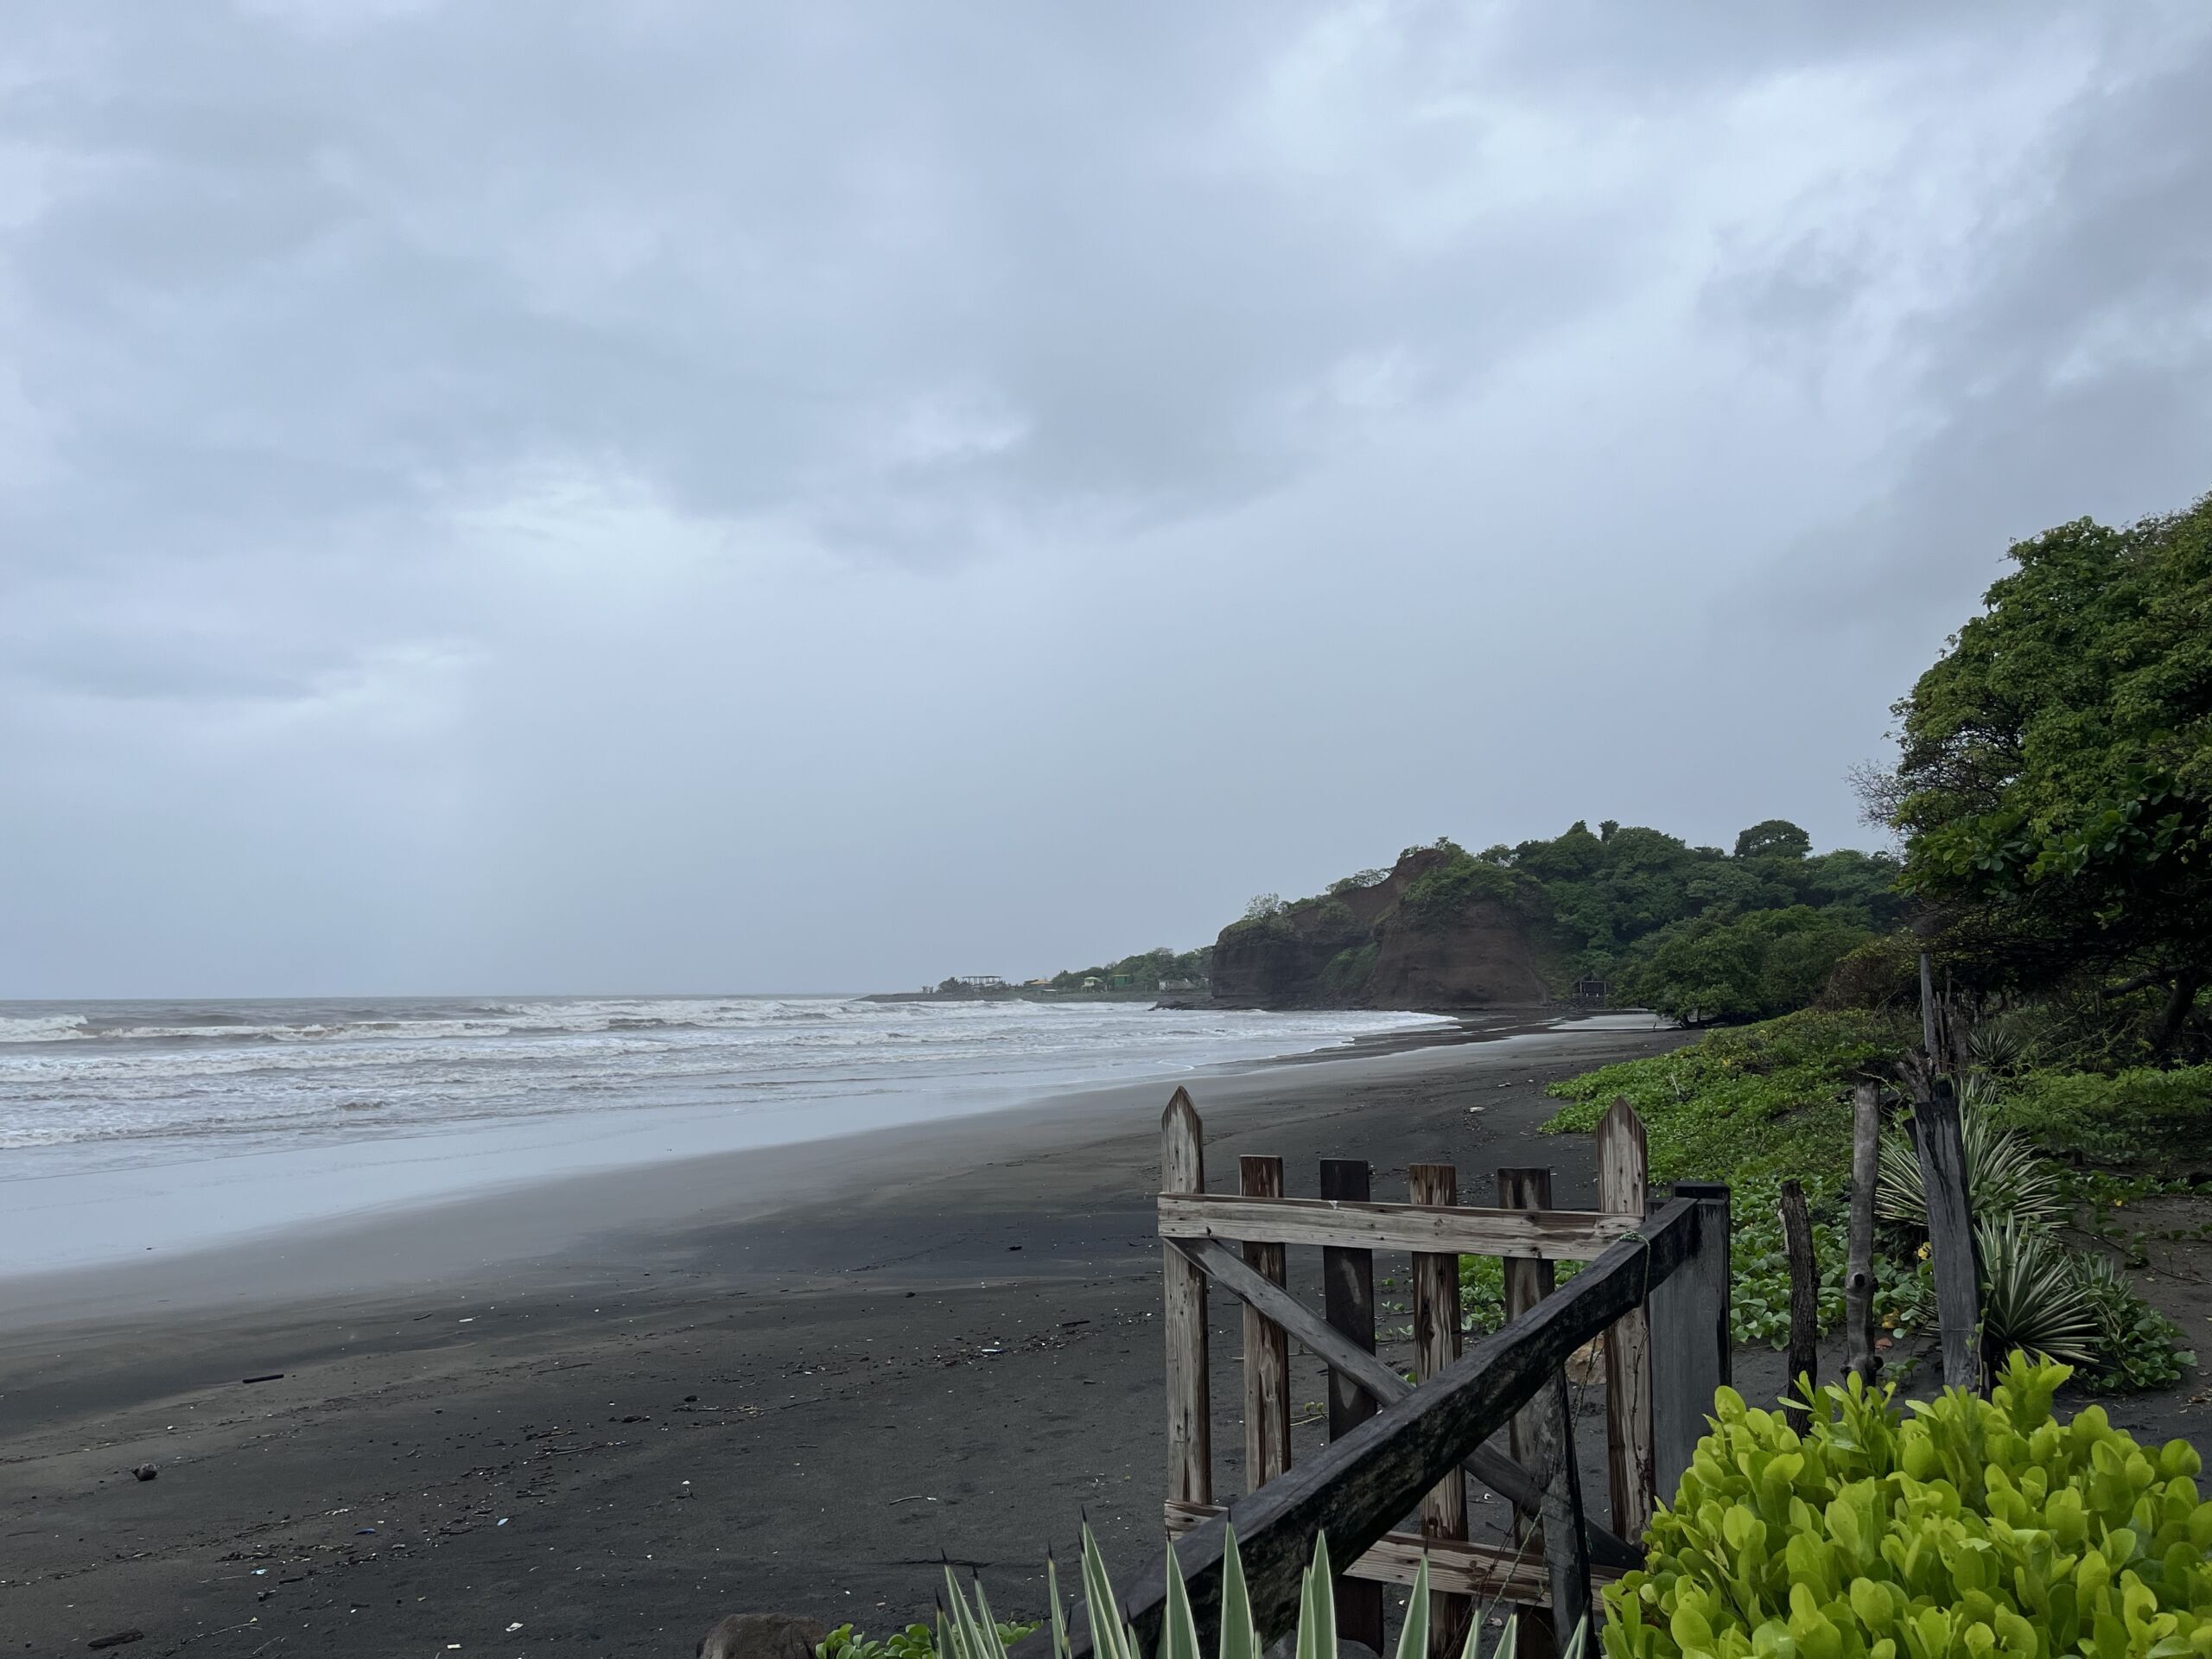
(2140, 1117)
(2055, 786)
(1146, 971)
(2138, 1347)
(1348, 969)
(1437, 897)
(1751, 1104)
(1616, 901)
(915, 1642)
(1749, 968)
(1759, 1303)
(1775, 838)
(1736, 936)
(1765, 1100)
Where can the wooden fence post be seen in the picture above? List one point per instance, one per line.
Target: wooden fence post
(1690, 1349)
(1804, 1359)
(1861, 1359)
(1189, 1425)
(1937, 1139)
(1543, 1435)
(1527, 1282)
(1566, 1555)
(1348, 1303)
(1436, 1339)
(1623, 1189)
(1266, 1350)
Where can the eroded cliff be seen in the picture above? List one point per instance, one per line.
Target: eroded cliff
(1436, 931)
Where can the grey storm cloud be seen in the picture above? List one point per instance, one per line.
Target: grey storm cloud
(683, 495)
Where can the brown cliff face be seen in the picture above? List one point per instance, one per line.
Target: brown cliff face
(1455, 944)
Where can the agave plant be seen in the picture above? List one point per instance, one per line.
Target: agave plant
(2001, 1042)
(2005, 1176)
(2034, 1298)
(966, 1630)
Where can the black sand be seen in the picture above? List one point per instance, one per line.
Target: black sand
(822, 1370)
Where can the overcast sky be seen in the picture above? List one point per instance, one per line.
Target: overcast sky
(692, 496)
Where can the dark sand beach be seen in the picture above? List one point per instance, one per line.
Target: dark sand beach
(588, 1419)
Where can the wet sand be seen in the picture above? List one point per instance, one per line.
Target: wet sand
(820, 1371)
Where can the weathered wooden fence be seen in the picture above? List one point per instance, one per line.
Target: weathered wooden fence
(1656, 1286)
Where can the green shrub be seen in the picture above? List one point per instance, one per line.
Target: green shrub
(1437, 897)
(1481, 1291)
(2136, 1347)
(1750, 967)
(915, 1642)
(1770, 1099)
(2138, 1116)
(1758, 1301)
(1972, 1529)
(1347, 971)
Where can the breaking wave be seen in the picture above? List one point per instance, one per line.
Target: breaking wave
(111, 1076)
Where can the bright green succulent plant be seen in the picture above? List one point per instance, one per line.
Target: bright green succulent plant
(1969, 1529)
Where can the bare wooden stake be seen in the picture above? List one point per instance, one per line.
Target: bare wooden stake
(1189, 1412)
(1267, 1351)
(1623, 1189)
(1861, 1358)
(1937, 1137)
(1804, 1361)
(1348, 1302)
(1436, 1345)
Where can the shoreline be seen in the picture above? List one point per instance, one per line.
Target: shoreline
(162, 1199)
(530, 1221)
(693, 1390)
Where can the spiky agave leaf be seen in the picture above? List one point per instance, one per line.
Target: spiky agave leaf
(992, 1644)
(1413, 1635)
(1060, 1646)
(1509, 1643)
(1578, 1641)
(1240, 1638)
(1178, 1625)
(2034, 1299)
(2005, 1176)
(1110, 1637)
(1317, 1606)
(1325, 1576)
(958, 1625)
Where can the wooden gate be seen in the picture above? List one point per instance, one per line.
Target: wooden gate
(1656, 1289)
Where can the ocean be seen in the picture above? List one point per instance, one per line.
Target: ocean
(276, 1111)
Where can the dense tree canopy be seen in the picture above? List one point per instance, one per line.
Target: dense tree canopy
(1691, 931)
(2055, 786)
(1611, 900)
